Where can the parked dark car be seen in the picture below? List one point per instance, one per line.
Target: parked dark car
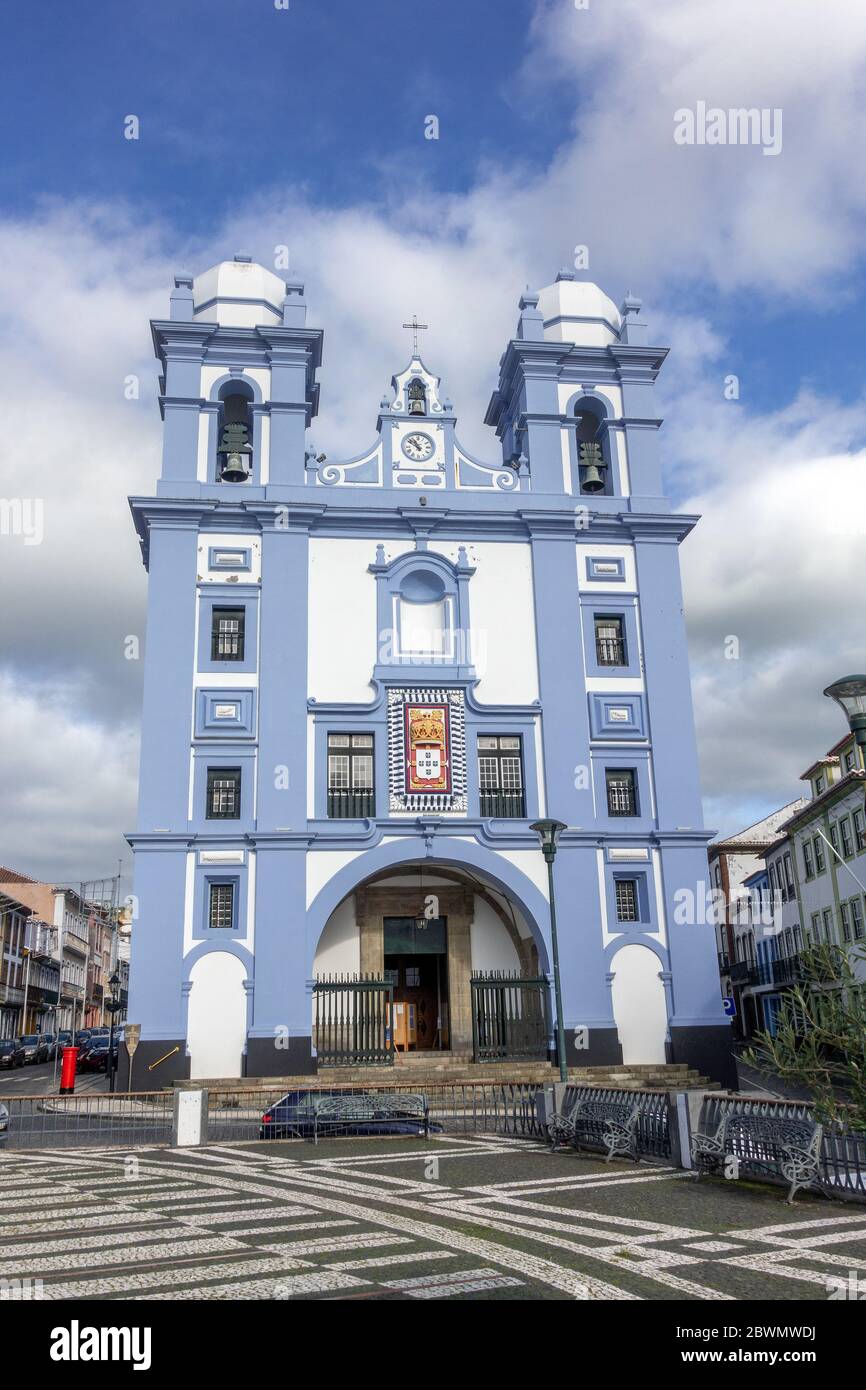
(35, 1047)
(4, 1124)
(326, 1114)
(50, 1044)
(11, 1053)
(64, 1039)
(95, 1057)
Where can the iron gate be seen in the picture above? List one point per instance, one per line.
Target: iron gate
(353, 1020)
(509, 1017)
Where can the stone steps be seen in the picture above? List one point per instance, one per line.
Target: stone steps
(460, 1071)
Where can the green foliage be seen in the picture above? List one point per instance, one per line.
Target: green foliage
(820, 1040)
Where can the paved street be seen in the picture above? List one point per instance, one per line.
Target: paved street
(44, 1080)
(485, 1218)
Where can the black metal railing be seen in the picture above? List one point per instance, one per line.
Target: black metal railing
(351, 805)
(353, 1020)
(509, 1017)
(743, 972)
(104, 1121)
(503, 805)
(610, 651)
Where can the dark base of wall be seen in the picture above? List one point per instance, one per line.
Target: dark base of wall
(707, 1050)
(265, 1059)
(603, 1049)
(174, 1068)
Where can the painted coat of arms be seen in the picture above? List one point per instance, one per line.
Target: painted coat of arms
(428, 762)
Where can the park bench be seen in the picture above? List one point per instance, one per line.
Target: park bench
(612, 1123)
(779, 1145)
(369, 1111)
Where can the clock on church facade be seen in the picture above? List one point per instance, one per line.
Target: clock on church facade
(366, 678)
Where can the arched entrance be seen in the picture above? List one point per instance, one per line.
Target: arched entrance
(453, 957)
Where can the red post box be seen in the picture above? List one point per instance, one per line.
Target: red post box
(67, 1070)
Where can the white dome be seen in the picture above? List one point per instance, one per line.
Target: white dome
(577, 311)
(238, 294)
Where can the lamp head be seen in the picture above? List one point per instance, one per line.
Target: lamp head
(548, 831)
(850, 694)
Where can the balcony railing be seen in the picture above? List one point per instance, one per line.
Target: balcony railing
(351, 805)
(743, 972)
(502, 805)
(610, 651)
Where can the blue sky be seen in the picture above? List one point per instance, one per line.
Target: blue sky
(305, 127)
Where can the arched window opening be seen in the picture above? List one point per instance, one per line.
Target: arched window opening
(234, 451)
(590, 455)
(417, 397)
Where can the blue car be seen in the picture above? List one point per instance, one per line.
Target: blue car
(326, 1114)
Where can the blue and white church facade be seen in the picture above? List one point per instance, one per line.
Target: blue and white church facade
(366, 678)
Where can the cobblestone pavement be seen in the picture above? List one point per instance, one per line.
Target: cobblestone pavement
(485, 1218)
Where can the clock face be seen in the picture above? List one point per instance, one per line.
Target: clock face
(418, 447)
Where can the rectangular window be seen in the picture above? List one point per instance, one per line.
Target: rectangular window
(834, 836)
(859, 833)
(849, 761)
(820, 861)
(223, 793)
(789, 875)
(857, 918)
(845, 915)
(815, 934)
(351, 784)
(819, 785)
(828, 926)
(847, 842)
(227, 634)
(609, 641)
(500, 776)
(627, 900)
(221, 905)
(808, 860)
(621, 792)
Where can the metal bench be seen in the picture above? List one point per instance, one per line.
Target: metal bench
(775, 1144)
(609, 1122)
(367, 1111)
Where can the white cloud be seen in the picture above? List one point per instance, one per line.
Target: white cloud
(660, 220)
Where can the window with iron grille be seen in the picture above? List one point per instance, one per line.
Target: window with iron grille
(500, 776)
(223, 793)
(609, 640)
(221, 905)
(621, 791)
(627, 902)
(227, 634)
(351, 785)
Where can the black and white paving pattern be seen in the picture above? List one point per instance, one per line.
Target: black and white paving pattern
(444, 1218)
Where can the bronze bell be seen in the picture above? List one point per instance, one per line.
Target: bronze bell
(417, 398)
(235, 454)
(593, 468)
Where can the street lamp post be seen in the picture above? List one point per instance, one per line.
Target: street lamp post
(112, 1006)
(549, 832)
(850, 694)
